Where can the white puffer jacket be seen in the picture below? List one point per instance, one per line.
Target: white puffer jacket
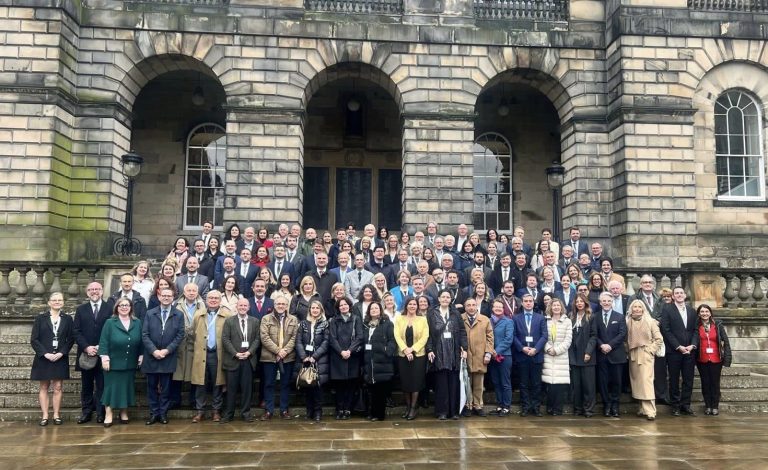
(557, 368)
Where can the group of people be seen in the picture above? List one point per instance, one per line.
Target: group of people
(367, 313)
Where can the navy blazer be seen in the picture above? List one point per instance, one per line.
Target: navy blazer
(337, 272)
(246, 282)
(614, 335)
(539, 333)
(154, 337)
(286, 268)
(267, 306)
(87, 328)
(219, 269)
(139, 304)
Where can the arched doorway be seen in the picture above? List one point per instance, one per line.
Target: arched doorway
(178, 128)
(353, 151)
(517, 136)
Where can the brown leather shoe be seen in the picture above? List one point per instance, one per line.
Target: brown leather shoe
(198, 417)
(216, 416)
(266, 416)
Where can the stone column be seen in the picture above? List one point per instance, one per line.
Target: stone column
(265, 166)
(437, 170)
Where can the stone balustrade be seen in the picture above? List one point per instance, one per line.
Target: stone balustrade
(25, 286)
(745, 6)
(387, 7)
(536, 10)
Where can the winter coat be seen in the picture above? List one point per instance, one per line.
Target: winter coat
(447, 350)
(319, 346)
(557, 368)
(583, 341)
(479, 342)
(186, 351)
(379, 349)
(201, 339)
(270, 335)
(346, 334)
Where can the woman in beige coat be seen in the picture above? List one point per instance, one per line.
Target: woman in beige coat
(643, 340)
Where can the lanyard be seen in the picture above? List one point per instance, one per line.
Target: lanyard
(55, 326)
(553, 331)
(528, 319)
(163, 320)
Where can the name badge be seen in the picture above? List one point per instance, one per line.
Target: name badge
(309, 347)
(447, 335)
(710, 350)
(55, 343)
(368, 347)
(244, 344)
(529, 339)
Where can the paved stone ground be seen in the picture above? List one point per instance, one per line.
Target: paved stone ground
(725, 442)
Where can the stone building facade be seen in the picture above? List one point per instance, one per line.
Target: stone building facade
(319, 97)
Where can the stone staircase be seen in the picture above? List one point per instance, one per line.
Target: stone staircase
(743, 389)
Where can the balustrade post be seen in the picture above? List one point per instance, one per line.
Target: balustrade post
(659, 280)
(38, 290)
(629, 280)
(73, 291)
(757, 292)
(21, 287)
(743, 292)
(56, 283)
(5, 285)
(729, 294)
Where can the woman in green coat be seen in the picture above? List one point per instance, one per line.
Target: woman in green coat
(120, 349)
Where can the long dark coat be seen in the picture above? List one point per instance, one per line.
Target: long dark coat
(346, 335)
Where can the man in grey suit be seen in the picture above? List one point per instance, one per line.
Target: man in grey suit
(192, 276)
(240, 338)
(359, 277)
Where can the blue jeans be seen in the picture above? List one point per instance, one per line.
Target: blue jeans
(502, 381)
(270, 376)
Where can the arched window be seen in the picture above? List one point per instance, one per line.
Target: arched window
(205, 172)
(739, 147)
(492, 181)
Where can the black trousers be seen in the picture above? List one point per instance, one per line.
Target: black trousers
(680, 365)
(345, 394)
(610, 383)
(447, 393)
(313, 397)
(530, 385)
(240, 379)
(92, 386)
(710, 382)
(583, 384)
(379, 393)
(660, 378)
(556, 397)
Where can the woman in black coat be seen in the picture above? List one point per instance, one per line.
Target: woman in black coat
(582, 357)
(446, 347)
(380, 348)
(312, 342)
(346, 341)
(52, 339)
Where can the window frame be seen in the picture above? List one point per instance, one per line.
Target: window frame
(186, 226)
(747, 158)
(509, 155)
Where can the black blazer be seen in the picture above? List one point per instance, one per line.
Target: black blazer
(42, 335)
(245, 283)
(584, 341)
(87, 328)
(139, 304)
(675, 333)
(614, 335)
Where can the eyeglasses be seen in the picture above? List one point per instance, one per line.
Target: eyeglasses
(124, 305)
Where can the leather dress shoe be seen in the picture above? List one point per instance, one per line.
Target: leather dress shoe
(607, 413)
(442, 417)
(266, 416)
(100, 419)
(523, 414)
(216, 416)
(538, 414)
(164, 419)
(675, 412)
(715, 412)
(152, 420)
(688, 411)
(197, 418)
(84, 419)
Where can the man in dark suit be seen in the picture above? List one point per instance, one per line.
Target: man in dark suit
(248, 240)
(377, 266)
(438, 283)
(479, 263)
(529, 341)
(531, 286)
(230, 251)
(228, 270)
(207, 232)
(343, 267)
(370, 232)
(566, 293)
(566, 258)
(511, 303)
(260, 304)
(126, 290)
(193, 275)
(519, 232)
(520, 270)
(205, 263)
(324, 279)
(620, 299)
(402, 264)
(296, 258)
(579, 246)
(678, 326)
(611, 333)
(501, 273)
(246, 273)
(240, 338)
(280, 265)
(89, 320)
(161, 336)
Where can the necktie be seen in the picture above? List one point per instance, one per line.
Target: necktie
(244, 270)
(242, 324)
(290, 256)
(165, 315)
(506, 274)
(95, 310)
(402, 266)
(605, 318)
(258, 304)
(649, 299)
(359, 276)
(211, 331)
(279, 268)
(192, 279)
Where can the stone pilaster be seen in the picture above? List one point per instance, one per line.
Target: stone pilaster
(437, 170)
(264, 166)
